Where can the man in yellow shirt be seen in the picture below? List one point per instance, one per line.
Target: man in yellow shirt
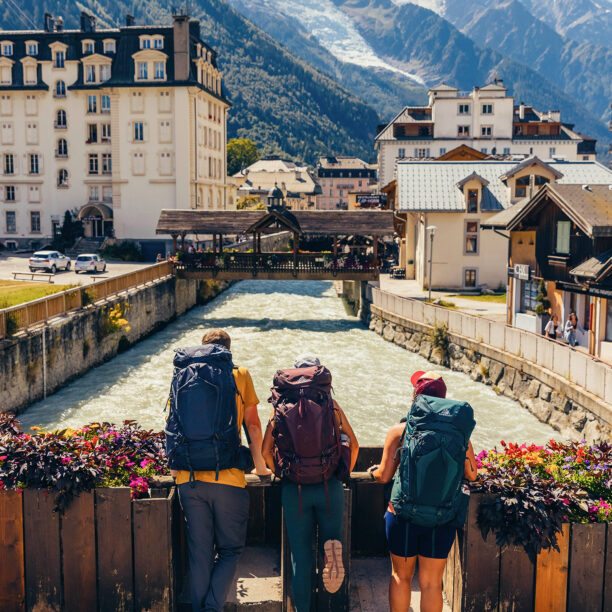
(217, 510)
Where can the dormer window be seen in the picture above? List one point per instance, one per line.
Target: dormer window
(160, 70)
(32, 48)
(158, 42)
(472, 200)
(145, 42)
(59, 59)
(520, 188)
(88, 47)
(90, 74)
(110, 46)
(7, 49)
(142, 69)
(6, 72)
(30, 75)
(105, 72)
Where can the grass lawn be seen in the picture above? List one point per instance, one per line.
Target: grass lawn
(444, 303)
(18, 292)
(498, 298)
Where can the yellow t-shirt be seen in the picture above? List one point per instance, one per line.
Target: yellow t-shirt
(246, 397)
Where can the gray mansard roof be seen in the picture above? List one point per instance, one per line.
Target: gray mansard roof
(432, 186)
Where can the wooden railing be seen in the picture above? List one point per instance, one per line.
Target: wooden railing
(35, 312)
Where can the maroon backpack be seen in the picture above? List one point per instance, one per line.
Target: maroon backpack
(307, 447)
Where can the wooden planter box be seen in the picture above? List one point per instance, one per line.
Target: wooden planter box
(479, 577)
(105, 553)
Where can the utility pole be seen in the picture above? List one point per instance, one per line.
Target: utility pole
(432, 230)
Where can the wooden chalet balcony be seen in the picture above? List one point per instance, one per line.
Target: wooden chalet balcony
(280, 266)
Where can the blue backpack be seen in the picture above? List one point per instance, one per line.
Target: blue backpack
(427, 486)
(201, 430)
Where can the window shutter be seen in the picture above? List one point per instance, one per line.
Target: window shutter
(41, 163)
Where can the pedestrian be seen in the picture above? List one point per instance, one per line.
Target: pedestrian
(550, 331)
(159, 258)
(210, 401)
(311, 446)
(572, 327)
(429, 455)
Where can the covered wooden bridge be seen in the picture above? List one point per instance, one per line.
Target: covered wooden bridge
(337, 263)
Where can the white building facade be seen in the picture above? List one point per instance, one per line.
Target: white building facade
(485, 119)
(113, 125)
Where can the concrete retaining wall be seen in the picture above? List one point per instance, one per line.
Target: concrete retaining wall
(79, 341)
(572, 397)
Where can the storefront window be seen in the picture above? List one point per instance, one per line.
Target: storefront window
(609, 321)
(529, 291)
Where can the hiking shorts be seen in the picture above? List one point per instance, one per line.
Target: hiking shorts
(430, 542)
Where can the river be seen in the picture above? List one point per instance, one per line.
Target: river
(270, 323)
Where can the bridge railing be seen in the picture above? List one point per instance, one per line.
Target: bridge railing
(32, 313)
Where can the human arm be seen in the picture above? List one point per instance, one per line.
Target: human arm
(345, 428)
(388, 464)
(268, 445)
(470, 472)
(253, 425)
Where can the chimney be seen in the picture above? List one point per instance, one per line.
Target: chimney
(194, 28)
(88, 22)
(59, 24)
(181, 47)
(49, 21)
(522, 110)
(129, 20)
(531, 185)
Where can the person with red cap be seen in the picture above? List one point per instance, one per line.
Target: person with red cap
(405, 545)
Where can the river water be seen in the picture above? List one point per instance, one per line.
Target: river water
(270, 323)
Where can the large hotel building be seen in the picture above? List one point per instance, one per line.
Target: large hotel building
(114, 124)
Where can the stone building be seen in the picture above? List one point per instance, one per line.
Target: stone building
(487, 119)
(115, 124)
(339, 176)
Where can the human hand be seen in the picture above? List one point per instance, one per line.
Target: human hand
(174, 473)
(262, 471)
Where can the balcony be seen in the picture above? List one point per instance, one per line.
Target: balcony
(60, 126)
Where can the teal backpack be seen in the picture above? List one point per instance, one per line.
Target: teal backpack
(427, 486)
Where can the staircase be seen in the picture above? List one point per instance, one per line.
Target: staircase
(85, 245)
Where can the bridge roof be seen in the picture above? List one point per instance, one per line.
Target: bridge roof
(339, 222)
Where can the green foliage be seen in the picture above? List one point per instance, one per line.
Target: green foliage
(439, 338)
(542, 301)
(126, 250)
(241, 153)
(87, 297)
(250, 202)
(113, 319)
(70, 231)
(12, 323)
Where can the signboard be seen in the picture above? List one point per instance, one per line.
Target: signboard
(370, 200)
(522, 271)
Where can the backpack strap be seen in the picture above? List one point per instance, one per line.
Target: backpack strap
(246, 431)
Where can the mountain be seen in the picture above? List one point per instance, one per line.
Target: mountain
(418, 40)
(279, 101)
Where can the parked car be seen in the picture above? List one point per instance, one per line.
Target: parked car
(89, 263)
(52, 261)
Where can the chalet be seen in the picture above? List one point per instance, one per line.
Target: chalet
(560, 246)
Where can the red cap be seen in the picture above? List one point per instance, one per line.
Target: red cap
(414, 379)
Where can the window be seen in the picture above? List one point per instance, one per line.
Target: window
(90, 74)
(11, 225)
(31, 105)
(31, 133)
(60, 119)
(6, 75)
(471, 238)
(32, 48)
(165, 164)
(92, 133)
(105, 104)
(30, 77)
(7, 49)
(34, 194)
(142, 69)
(506, 150)
(9, 163)
(552, 151)
(421, 153)
(562, 246)
(7, 133)
(160, 70)
(520, 187)
(164, 101)
(33, 164)
(6, 105)
(464, 109)
(107, 163)
(105, 72)
(472, 200)
(35, 222)
(539, 180)
(485, 130)
(469, 277)
(60, 89)
(93, 163)
(165, 133)
(529, 292)
(487, 109)
(158, 43)
(138, 131)
(92, 104)
(9, 193)
(463, 130)
(62, 148)
(109, 46)
(59, 59)
(62, 177)
(88, 47)
(401, 153)
(145, 42)
(442, 151)
(94, 193)
(138, 165)
(107, 194)
(106, 132)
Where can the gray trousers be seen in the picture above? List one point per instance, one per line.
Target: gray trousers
(216, 518)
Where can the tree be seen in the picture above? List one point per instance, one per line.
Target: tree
(250, 202)
(241, 153)
(71, 230)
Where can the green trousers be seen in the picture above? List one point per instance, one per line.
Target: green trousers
(300, 530)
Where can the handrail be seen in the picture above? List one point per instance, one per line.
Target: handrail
(578, 368)
(58, 304)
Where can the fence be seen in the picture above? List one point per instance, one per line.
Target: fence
(37, 311)
(578, 368)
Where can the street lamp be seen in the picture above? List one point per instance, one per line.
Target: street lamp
(432, 230)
